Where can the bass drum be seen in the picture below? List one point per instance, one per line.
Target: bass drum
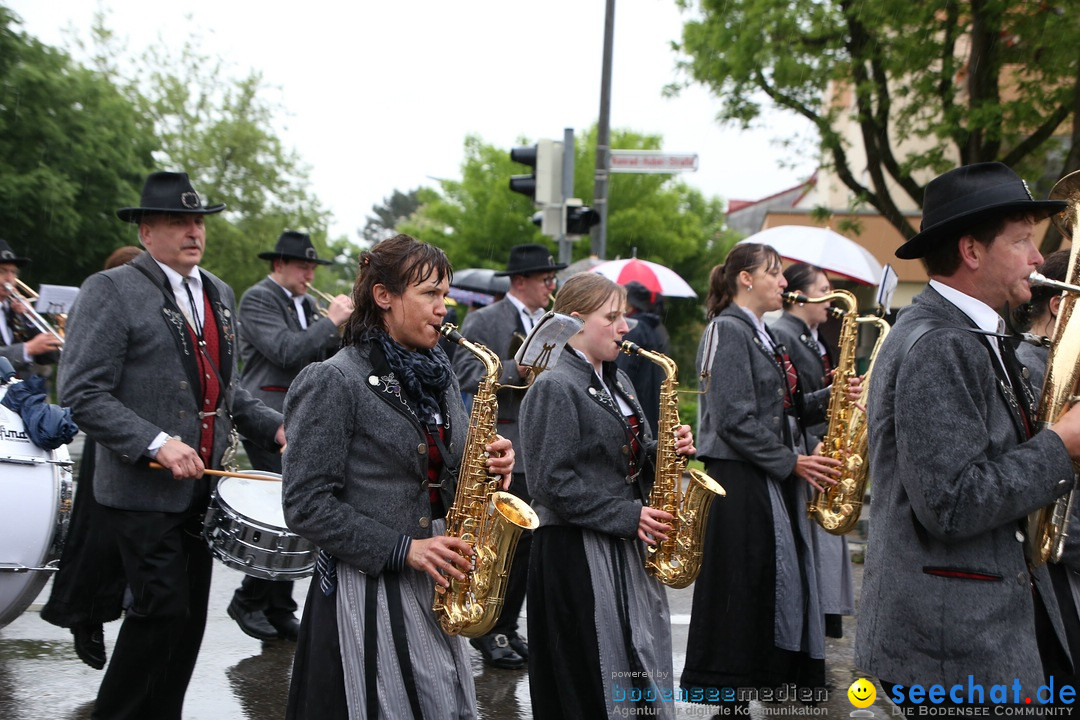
(35, 508)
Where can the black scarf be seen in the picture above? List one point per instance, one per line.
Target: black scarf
(424, 374)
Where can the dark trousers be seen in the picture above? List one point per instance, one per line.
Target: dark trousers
(167, 565)
(517, 583)
(272, 597)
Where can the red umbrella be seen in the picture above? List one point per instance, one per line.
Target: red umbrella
(655, 277)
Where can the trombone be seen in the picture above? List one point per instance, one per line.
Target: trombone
(25, 295)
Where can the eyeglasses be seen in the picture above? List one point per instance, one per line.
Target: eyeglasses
(549, 279)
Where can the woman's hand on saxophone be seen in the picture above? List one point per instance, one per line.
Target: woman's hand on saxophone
(653, 524)
(501, 459)
(817, 470)
(855, 388)
(440, 556)
(684, 440)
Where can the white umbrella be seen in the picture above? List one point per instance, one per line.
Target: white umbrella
(655, 277)
(822, 247)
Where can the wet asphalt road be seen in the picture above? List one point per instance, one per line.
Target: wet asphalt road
(240, 678)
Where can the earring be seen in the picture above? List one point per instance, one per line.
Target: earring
(749, 288)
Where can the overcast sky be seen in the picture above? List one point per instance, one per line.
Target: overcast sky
(380, 95)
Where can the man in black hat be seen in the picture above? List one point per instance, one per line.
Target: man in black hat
(531, 269)
(22, 343)
(281, 332)
(947, 597)
(646, 375)
(150, 375)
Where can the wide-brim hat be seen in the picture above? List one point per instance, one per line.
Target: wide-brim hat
(967, 195)
(529, 259)
(293, 245)
(8, 256)
(167, 192)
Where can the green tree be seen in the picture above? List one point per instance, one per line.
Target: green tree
(383, 221)
(72, 149)
(976, 80)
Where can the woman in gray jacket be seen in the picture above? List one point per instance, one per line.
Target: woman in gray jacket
(599, 629)
(756, 620)
(374, 442)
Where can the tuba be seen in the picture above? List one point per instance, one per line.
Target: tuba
(1047, 528)
(676, 561)
(488, 519)
(836, 508)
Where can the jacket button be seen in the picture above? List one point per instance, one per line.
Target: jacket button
(779, 392)
(625, 450)
(775, 420)
(373, 380)
(1022, 578)
(183, 385)
(421, 449)
(182, 414)
(125, 458)
(425, 521)
(1019, 536)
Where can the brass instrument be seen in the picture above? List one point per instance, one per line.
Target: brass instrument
(488, 519)
(24, 298)
(676, 561)
(324, 296)
(1048, 527)
(836, 508)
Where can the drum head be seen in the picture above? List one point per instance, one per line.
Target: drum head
(259, 500)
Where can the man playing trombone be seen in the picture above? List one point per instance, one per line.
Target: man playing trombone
(21, 342)
(281, 332)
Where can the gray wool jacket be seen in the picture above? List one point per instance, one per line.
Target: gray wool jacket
(129, 372)
(741, 416)
(273, 346)
(356, 462)
(578, 452)
(795, 336)
(946, 591)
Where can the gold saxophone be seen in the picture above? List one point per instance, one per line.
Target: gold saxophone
(836, 509)
(676, 561)
(1048, 527)
(488, 519)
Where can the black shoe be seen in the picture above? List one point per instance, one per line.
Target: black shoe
(90, 644)
(495, 647)
(254, 624)
(521, 647)
(287, 626)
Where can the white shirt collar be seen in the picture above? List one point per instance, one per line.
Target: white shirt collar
(524, 311)
(759, 325)
(984, 316)
(176, 280)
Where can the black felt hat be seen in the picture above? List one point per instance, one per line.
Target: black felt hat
(167, 192)
(293, 245)
(7, 255)
(529, 259)
(967, 195)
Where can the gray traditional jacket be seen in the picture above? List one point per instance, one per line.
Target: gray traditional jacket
(273, 346)
(356, 462)
(947, 592)
(578, 449)
(795, 336)
(494, 326)
(129, 372)
(742, 417)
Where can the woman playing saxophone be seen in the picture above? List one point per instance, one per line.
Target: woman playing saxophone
(599, 629)
(757, 619)
(375, 439)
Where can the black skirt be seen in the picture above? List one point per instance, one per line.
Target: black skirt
(731, 636)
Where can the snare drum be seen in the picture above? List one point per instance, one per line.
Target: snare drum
(35, 508)
(245, 528)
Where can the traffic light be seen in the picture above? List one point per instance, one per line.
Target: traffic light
(579, 219)
(544, 184)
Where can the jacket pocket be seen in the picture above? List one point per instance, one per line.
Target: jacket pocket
(961, 574)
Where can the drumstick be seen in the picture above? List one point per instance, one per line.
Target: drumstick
(225, 473)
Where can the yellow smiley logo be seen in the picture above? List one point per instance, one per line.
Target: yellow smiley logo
(861, 693)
